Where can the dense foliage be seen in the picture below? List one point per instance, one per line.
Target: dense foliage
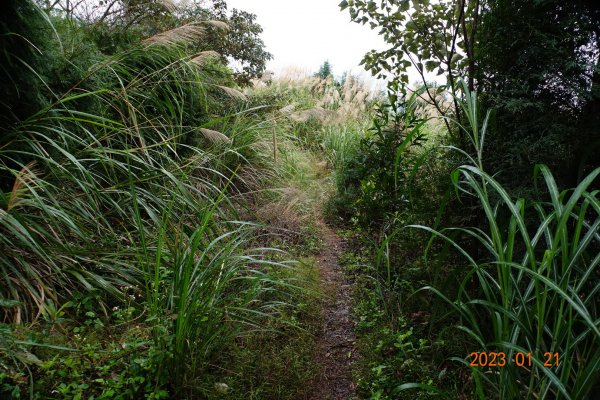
(544, 95)
(115, 24)
(375, 183)
(158, 226)
(122, 248)
(493, 259)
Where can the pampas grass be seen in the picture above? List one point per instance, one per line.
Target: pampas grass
(185, 33)
(213, 136)
(233, 93)
(200, 58)
(321, 99)
(318, 113)
(25, 178)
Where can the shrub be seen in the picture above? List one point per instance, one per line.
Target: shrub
(375, 182)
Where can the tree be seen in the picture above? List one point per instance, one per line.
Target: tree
(240, 46)
(535, 63)
(124, 13)
(325, 71)
(115, 24)
(538, 69)
(244, 45)
(431, 36)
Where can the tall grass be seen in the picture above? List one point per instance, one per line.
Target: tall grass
(67, 217)
(205, 284)
(535, 289)
(340, 144)
(317, 126)
(125, 183)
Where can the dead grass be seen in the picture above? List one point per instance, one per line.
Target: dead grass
(321, 99)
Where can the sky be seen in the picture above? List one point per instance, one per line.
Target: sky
(305, 33)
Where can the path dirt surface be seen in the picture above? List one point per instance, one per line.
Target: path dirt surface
(336, 341)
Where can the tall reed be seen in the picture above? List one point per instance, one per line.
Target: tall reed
(125, 183)
(535, 290)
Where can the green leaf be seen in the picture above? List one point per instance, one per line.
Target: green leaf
(8, 303)
(456, 58)
(431, 65)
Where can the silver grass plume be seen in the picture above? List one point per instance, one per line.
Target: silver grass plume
(203, 56)
(168, 5)
(288, 109)
(234, 93)
(217, 24)
(184, 33)
(214, 136)
(25, 178)
(318, 113)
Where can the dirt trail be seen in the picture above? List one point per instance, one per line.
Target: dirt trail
(336, 341)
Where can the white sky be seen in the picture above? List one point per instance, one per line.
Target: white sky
(305, 33)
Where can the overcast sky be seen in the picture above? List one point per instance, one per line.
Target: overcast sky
(305, 33)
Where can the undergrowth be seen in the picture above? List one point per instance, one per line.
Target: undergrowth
(151, 214)
(446, 270)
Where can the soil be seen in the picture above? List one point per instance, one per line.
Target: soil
(336, 341)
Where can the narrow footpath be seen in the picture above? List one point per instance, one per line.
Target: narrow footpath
(336, 341)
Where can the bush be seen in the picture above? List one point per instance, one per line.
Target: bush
(375, 182)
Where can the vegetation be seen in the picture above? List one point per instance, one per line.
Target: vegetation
(162, 212)
(325, 70)
(122, 241)
(553, 99)
(487, 262)
(534, 286)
